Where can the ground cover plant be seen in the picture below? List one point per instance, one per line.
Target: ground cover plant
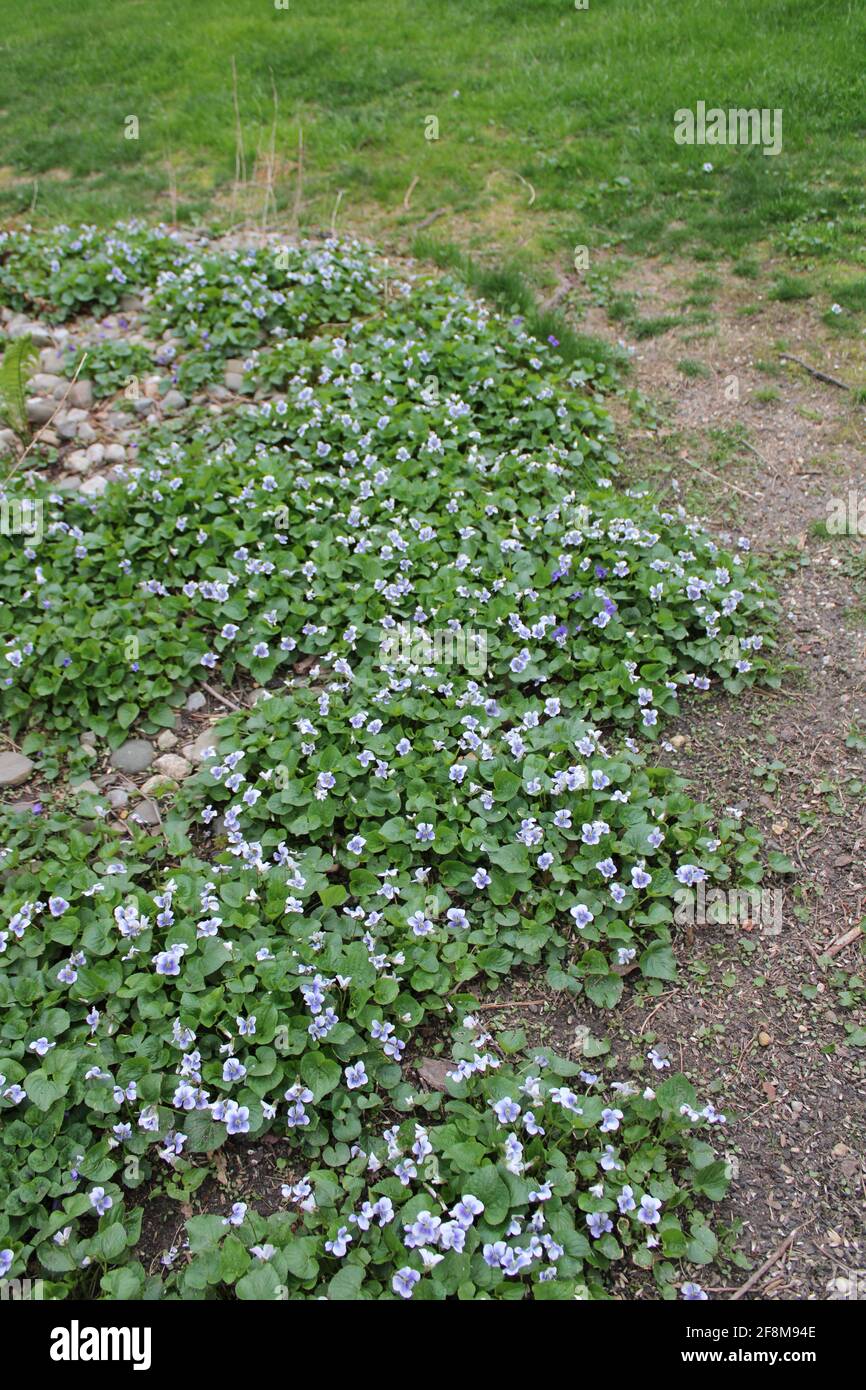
(402, 535)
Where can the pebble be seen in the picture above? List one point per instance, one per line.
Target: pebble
(20, 327)
(14, 769)
(87, 788)
(159, 785)
(52, 361)
(39, 410)
(173, 400)
(194, 751)
(234, 381)
(133, 756)
(166, 740)
(118, 797)
(115, 453)
(146, 813)
(82, 394)
(171, 765)
(95, 486)
(44, 382)
(195, 701)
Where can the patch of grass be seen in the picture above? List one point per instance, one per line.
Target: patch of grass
(787, 289)
(840, 320)
(851, 295)
(575, 106)
(654, 327)
(507, 288)
(766, 395)
(691, 367)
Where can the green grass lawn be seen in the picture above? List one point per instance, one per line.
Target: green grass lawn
(555, 124)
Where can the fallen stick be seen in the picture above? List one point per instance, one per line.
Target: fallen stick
(431, 217)
(509, 1004)
(843, 941)
(409, 191)
(724, 482)
(813, 371)
(765, 1267)
(229, 704)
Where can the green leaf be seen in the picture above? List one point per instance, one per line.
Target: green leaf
(345, 1286)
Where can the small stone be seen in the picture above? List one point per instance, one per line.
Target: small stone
(171, 765)
(82, 394)
(95, 453)
(195, 701)
(144, 405)
(678, 740)
(39, 410)
(118, 798)
(146, 813)
(52, 361)
(173, 400)
(115, 453)
(764, 1039)
(87, 788)
(166, 740)
(233, 381)
(88, 739)
(95, 486)
(44, 382)
(14, 769)
(194, 752)
(159, 785)
(86, 433)
(42, 336)
(133, 756)
(77, 461)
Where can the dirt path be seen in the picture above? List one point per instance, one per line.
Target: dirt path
(770, 1026)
